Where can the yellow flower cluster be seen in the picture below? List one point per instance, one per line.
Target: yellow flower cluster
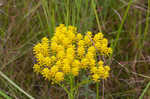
(68, 52)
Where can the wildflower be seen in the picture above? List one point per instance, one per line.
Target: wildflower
(47, 61)
(46, 73)
(84, 63)
(81, 43)
(59, 76)
(98, 37)
(75, 71)
(79, 37)
(66, 68)
(92, 62)
(40, 58)
(107, 68)
(95, 77)
(76, 63)
(53, 70)
(37, 68)
(92, 49)
(54, 46)
(87, 40)
(81, 51)
(68, 52)
(100, 63)
(93, 70)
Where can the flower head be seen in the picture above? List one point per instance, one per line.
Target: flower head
(68, 52)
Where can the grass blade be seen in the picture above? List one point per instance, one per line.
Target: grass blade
(5, 95)
(144, 91)
(15, 85)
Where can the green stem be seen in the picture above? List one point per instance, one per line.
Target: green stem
(67, 12)
(71, 95)
(121, 26)
(15, 85)
(82, 83)
(62, 85)
(97, 90)
(4, 95)
(95, 12)
(144, 91)
(147, 25)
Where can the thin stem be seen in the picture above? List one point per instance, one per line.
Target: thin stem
(144, 91)
(62, 85)
(4, 95)
(95, 12)
(71, 94)
(147, 25)
(15, 85)
(103, 89)
(67, 12)
(121, 26)
(82, 83)
(97, 90)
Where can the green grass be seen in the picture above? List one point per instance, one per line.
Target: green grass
(125, 22)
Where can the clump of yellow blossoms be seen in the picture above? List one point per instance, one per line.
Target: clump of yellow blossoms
(68, 52)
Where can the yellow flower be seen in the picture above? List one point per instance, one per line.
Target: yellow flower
(92, 62)
(81, 51)
(107, 68)
(71, 51)
(60, 48)
(79, 36)
(67, 61)
(98, 37)
(105, 75)
(89, 33)
(40, 59)
(104, 41)
(53, 70)
(100, 63)
(89, 55)
(68, 52)
(54, 46)
(37, 68)
(84, 63)
(65, 41)
(71, 36)
(95, 77)
(81, 43)
(76, 63)
(93, 70)
(75, 71)
(47, 61)
(92, 49)
(61, 54)
(45, 40)
(87, 40)
(109, 51)
(98, 45)
(59, 64)
(53, 59)
(66, 68)
(59, 77)
(46, 73)
(101, 70)
(54, 39)
(37, 48)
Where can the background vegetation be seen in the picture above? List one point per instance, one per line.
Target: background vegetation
(124, 22)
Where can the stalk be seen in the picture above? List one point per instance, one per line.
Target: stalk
(71, 94)
(97, 90)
